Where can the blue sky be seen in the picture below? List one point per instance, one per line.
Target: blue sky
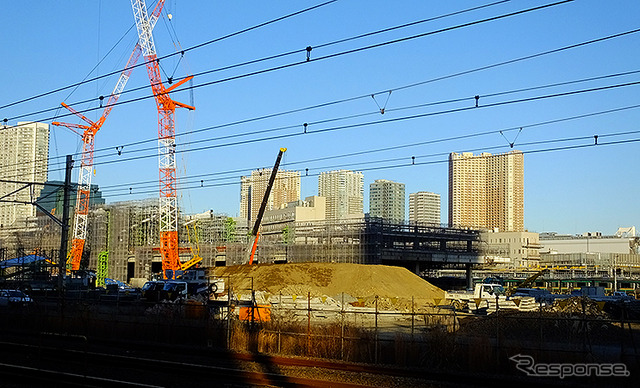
(54, 44)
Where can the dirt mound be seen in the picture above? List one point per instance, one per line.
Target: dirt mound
(330, 279)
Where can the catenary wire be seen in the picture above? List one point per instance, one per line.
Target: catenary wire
(409, 163)
(353, 165)
(244, 121)
(618, 74)
(170, 55)
(398, 88)
(329, 56)
(397, 119)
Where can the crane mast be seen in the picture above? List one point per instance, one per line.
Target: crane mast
(168, 206)
(256, 226)
(83, 193)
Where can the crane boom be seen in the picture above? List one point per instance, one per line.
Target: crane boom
(83, 192)
(263, 205)
(168, 204)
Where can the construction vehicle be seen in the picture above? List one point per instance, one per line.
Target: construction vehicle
(193, 242)
(256, 226)
(193, 282)
(488, 297)
(166, 141)
(90, 130)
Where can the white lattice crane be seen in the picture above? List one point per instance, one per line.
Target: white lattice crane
(90, 130)
(166, 141)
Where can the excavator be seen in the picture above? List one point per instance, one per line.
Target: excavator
(256, 226)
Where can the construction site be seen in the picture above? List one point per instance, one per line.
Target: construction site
(293, 292)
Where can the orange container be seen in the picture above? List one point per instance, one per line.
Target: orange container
(261, 313)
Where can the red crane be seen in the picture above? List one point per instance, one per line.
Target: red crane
(166, 141)
(90, 130)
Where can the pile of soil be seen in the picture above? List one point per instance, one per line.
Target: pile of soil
(330, 279)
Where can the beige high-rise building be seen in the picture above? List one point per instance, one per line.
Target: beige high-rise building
(286, 188)
(424, 208)
(344, 191)
(24, 158)
(387, 200)
(487, 191)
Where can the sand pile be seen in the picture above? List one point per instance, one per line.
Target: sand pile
(331, 279)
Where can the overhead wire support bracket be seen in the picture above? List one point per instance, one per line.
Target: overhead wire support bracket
(512, 143)
(381, 109)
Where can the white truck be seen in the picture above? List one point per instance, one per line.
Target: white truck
(488, 297)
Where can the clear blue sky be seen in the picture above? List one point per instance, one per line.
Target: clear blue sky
(48, 45)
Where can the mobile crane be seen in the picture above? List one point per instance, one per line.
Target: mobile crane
(263, 205)
(90, 130)
(166, 142)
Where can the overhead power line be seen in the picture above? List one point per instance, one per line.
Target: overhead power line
(298, 63)
(171, 55)
(244, 121)
(441, 102)
(369, 123)
(310, 125)
(407, 162)
(249, 120)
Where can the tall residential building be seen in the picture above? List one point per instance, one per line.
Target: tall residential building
(24, 158)
(487, 191)
(344, 191)
(286, 188)
(424, 208)
(387, 200)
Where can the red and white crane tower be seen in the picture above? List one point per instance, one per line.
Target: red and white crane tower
(90, 130)
(166, 141)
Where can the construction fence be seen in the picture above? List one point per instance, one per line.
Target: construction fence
(361, 331)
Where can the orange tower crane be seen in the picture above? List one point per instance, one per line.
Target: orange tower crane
(168, 207)
(90, 130)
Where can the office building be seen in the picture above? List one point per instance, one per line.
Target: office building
(424, 208)
(24, 158)
(387, 200)
(487, 191)
(286, 188)
(52, 196)
(344, 193)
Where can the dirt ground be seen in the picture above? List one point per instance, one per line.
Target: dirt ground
(331, 279)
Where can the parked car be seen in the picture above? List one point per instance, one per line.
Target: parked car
(14, 298)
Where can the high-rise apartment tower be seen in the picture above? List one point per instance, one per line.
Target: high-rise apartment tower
(487, 191)
(344, 191)
(286, 188)
(387, 200)
(424, 208)
(24, 158)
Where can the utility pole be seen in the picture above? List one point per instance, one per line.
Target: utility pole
(65, 224)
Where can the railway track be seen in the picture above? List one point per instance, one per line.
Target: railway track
(73, 362)
(33, 361)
